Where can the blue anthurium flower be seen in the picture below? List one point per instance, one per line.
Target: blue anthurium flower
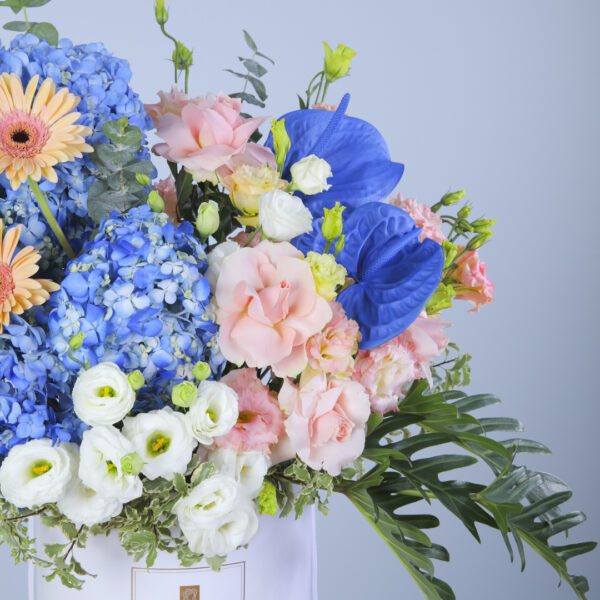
(356, 151)
(395, 273)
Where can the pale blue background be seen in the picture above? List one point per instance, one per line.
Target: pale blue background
(501, 98)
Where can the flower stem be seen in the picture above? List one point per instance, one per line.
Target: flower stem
(45, 207)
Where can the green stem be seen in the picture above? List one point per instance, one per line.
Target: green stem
(187, 79)
(325, 91)
(320, 84)
(45, 207)
(27, 25)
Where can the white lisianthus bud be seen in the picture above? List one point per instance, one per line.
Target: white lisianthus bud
(215, 260)
(163, 438)
(37, 473)
(247, 468)
(215, 516)
(207, 221)
(310, 174)
(83, 506)
(102, 395)
(283, 216)
(105, 454)
(214, 412)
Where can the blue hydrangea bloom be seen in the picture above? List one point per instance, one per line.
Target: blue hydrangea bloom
(101, 80)
(356, 151)
(139, 296)
(395, 273)
(29, 375)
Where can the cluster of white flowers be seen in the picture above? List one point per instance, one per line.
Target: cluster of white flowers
(91, 483)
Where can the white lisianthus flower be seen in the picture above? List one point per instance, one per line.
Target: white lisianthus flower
(163, 438)
(216, 517)
(310, 174)
(37, 473)
(283, 216)
(230, 532)
(247, 468)
(105, 454)
(215, 260)
(86, 507)
(102, 395)
(214, 412)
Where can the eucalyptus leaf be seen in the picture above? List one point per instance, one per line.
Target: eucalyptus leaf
(250, 42)
(45, 31)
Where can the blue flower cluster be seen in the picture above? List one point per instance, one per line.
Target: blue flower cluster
(138, 295)
(101, 80)
(29, 375)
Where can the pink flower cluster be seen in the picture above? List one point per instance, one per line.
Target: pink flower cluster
(260, 421)
(423, 216)
(388, 370)
(475, 285)
(206, 135)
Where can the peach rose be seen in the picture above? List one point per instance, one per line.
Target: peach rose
(260, 422)
(169, 103)
(327, 419)
(332, 350)
(471, 274)
(209, 134)
(168, 192)
(268, 307)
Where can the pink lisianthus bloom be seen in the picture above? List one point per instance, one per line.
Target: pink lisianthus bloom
(474, 284)
(170, 103)
(429, 222)
(168, 192)
(209, 135)
(332, 350)
(260, 421)
(326, 420)
(387, 371)
(267, 307)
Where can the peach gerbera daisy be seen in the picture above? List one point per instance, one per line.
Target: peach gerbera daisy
(18, 291)
(38, 129)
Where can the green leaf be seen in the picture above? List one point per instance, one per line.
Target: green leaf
(265, 57)
(180, 483)
(250, 42)
(45, 31)
(249, 98)
(253, 67)
(15, 26)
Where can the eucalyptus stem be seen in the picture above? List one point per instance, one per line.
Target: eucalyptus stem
(45, 207)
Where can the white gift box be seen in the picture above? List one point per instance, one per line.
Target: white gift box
(280, 562)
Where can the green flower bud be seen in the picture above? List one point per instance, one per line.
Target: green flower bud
(441, 299)
(184, 394)
(333, 224)
(339, 245)
(337, 62)
(156, 203)
(483, 225)
(267, 499)
(464, 212)
(132, 464)
(76, 341)
(281, 142)
(479, 240)
(142, 179)
(464, 225)
(452, 197)
(182, 56)
(136, 380)
(450, 252)
(160, 12)
(201, 371)
(207, 221)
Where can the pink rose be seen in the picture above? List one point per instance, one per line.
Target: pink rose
(471, 274)
(170, 103)
(387, 371)
(423, 216)
(327, 419)
(168, 192)
(268, 307)
(260, 422)
(332, 350)
(209, 134)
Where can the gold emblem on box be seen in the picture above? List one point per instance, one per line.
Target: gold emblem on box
(189, 592)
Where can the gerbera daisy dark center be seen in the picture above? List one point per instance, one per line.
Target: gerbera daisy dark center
(20, 136)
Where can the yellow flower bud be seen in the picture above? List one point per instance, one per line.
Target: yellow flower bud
(333, 224)
(207, 221)
(337, 62)
(327, 273)
(281, 142)
(267, 499)
(156, 203)
(160, 12)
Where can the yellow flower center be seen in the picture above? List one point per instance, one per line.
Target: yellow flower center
(158, 444)
(40, 467)
(107, 391)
